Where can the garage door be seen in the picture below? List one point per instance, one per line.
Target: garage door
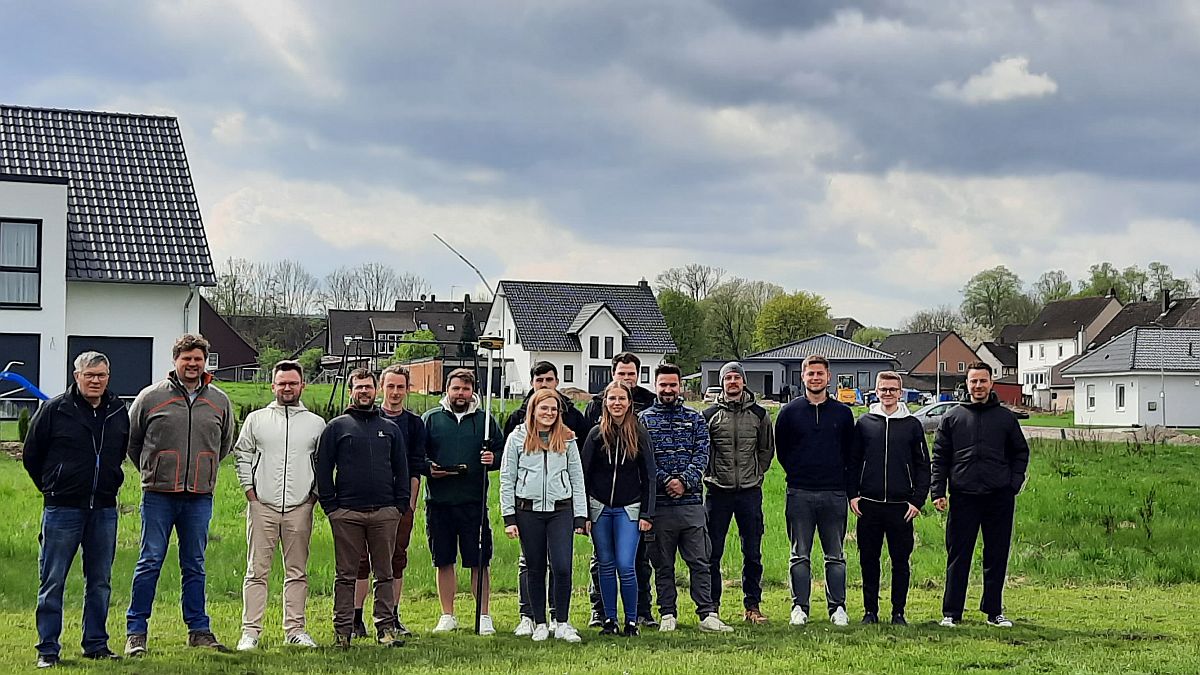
(20, 347)
(130, 360)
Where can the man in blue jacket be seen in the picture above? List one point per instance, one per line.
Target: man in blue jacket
(680, 438)
(73, 453)
(979, 459)
(814, 440)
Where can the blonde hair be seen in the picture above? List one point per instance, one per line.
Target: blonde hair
(619, 433)
(559, 432)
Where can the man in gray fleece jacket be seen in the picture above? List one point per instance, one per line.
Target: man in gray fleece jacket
(179, 431)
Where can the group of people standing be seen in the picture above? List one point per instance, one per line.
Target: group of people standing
(648, 478)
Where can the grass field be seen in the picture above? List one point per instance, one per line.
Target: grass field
(1104, 578)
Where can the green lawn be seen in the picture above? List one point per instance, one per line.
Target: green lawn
(1104, 578)
(8, 430)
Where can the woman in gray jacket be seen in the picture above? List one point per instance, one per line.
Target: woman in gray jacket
(542, 500)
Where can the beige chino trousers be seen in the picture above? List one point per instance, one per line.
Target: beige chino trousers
(267, 529)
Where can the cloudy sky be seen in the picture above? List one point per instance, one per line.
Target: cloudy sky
(876, 152)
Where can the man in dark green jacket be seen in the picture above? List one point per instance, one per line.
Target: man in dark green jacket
(455, 502)
(741, 446)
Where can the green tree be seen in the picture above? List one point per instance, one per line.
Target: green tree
(934, 319)
(685, 320)
(730, 312)
(993, 297)
(869, 335)
(406, 352)
(1103, 278)
(1161, 278)
(790, 317)
(267, 358)
(310, 361)
(1051, 286)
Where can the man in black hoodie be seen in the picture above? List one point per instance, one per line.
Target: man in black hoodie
(362, 484)
(892, 463)
(626, 368)
(73, 453)
(814, 439)
(543, 375)
(979, 458)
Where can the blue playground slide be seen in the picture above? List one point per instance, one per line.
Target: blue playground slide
(23, 383)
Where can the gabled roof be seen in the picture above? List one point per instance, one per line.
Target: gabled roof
(1011, 334)
(830, 346)
(1057, 379)
(1064, 318)
(1141, 348)
(910, 349)
(132, 214)
(589, 312)
(231, 348)
(479, 309)
(1005, 354)
(448, 326)
(542, 311)
(345, 323)
(1142, 313)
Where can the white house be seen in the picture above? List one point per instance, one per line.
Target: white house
(578, 328)
(101, 245)
(1063, 329)
(1146, 376)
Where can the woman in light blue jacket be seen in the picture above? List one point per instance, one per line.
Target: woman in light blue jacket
(542, 499)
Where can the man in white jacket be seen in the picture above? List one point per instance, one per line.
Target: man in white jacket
(275, 467)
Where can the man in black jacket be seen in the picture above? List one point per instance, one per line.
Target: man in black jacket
(979, 458)
(892, 462)
(543, 375)
(73, 453)
(626, 368)
(362, 484)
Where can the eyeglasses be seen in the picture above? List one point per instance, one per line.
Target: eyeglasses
(94, 377)
(888, 390)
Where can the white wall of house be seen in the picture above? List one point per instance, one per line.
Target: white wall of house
(518, 361)
(1142, 390)
(46, 202)
(1035, 359)
(132, 310)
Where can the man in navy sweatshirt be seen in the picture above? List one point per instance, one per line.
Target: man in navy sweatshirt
(814, 440)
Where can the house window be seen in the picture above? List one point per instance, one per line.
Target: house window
(1120, 398)
(941, 366)
(1041, 351)
(1060, 350)
(214, 362)
(568, 373)
(1031, 351)
(595, 347)
(21, 263)
(1091, 397)
(449, 328)
(645, 374)
(962, 367)
(608, 347)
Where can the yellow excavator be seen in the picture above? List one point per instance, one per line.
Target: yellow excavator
(846, 391)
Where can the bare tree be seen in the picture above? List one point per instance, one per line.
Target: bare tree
(693, 279)
(341, 290)
(410, 287)
(940, 318)
(291, 288)
(236, 287)
(378, 285)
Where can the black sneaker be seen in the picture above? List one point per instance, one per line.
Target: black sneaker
(596, 621)
(102, 654)
(401, 629)
(870, 618)
(631, 629)
(360, 628)
(999, 620)
(341, 641)
(47, 661)
(609, 627)
(648, 621)
(899, 620)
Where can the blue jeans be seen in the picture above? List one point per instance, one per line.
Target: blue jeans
(189, 515)
(825, 512)
(616, 538)
(64, 530)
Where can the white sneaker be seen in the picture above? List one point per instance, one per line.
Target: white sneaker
(840, 617)
(247, 642)
(485, 625)
(799, 618)
(525, 628)
(947, 622)
(446, 624)
(567, 633)
(1000, 621)
(302, 640)
(553, 625)
(667, 623)
(540, 632)
(713, 624)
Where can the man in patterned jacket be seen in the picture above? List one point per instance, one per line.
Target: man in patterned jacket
(680, 438)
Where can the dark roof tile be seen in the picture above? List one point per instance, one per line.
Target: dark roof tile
(542, 311)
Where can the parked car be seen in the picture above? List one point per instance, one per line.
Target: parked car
(711, 394)
(931, 415)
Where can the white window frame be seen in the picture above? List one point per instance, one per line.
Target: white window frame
(568, 373)
(213, 362)
(1090, 395)
(1119, 397)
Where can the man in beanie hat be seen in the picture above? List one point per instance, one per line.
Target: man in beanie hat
(742, 443)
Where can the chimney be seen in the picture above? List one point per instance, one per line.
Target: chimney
(432, 298)
(643, 283)
(1166, 301)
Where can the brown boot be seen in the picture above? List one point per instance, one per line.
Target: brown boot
(135, 644)
(205, 639)
(754, 616)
